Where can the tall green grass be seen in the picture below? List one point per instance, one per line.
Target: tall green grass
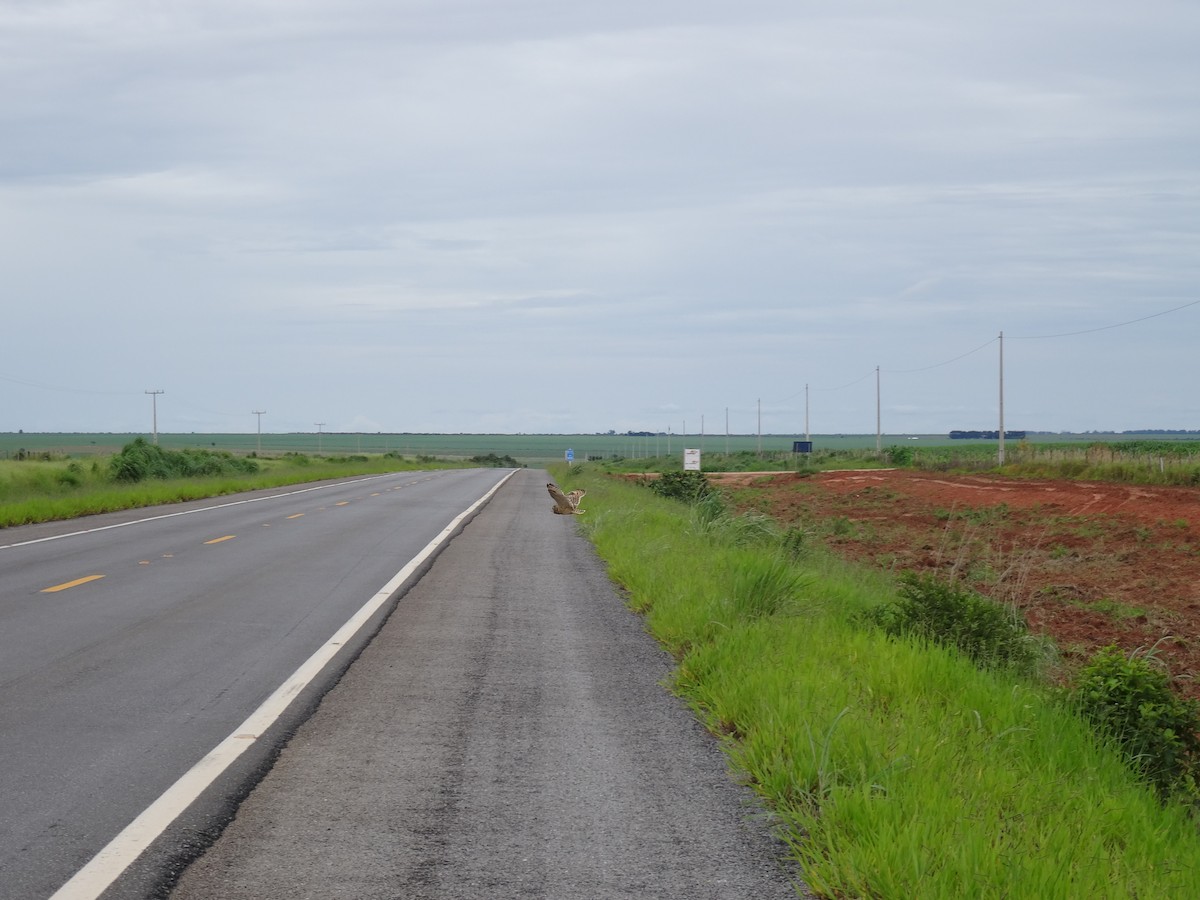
(34, 491)
(896, 768)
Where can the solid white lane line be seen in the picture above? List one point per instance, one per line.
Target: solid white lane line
(106, 866)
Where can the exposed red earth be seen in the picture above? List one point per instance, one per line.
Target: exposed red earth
(1090, 564)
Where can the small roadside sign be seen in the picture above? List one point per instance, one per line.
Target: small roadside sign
(691, 460)
(570, 455)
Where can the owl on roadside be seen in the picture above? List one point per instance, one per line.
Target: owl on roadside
(565, 504)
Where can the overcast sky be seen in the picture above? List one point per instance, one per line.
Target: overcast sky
(555, 216)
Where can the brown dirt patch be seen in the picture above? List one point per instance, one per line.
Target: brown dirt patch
(1089, 564)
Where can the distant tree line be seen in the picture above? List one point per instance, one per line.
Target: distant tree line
(988, 435)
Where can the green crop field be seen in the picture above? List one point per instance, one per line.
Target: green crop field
(528, 448)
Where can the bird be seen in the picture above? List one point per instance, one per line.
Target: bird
(565, 504)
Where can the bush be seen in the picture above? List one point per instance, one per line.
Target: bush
(689, 486)
(989, 633)
(494, 461)
(139, 460)
(1129, 699)
(72, 476)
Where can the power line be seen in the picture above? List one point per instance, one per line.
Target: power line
(841, 388)
(69, 390)
(1038, 337)
(981, 347)
(211, 412)
(993, 340)
(939, 365)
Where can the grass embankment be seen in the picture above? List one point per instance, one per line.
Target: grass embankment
(896, 769)
(48, 490)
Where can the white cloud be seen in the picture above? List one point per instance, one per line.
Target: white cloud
(559, 216)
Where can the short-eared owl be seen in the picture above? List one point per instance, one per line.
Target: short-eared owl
(565, 504)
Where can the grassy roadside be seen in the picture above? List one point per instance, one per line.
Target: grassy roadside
(45, 491)
(1131, 462)
(895, 770)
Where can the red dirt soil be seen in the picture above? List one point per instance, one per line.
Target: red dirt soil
(1090, 564)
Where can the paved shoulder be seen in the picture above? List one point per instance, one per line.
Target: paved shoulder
(504, 735)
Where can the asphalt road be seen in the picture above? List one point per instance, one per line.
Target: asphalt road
(505, 734)
(130, 651)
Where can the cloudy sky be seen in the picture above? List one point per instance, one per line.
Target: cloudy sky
(554, 216)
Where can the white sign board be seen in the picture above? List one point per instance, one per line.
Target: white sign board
(691, 460)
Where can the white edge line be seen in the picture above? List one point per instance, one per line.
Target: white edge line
(188, 512)
(107, 866)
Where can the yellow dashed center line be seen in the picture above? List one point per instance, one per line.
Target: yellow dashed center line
(342, 503)
(228, 537)
(296, 516)
(70, 584)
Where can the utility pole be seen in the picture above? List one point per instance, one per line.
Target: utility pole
(727, 431)
(807, 436)
(760, 426)
(319, 426)
(1001, 454)
(154, 408)
(878, 416)
(259, 413)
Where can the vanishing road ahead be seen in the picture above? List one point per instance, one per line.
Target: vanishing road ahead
(127, 653)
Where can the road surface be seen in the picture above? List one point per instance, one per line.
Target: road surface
(129, 652)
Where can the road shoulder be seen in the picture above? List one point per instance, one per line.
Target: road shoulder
(505, 734)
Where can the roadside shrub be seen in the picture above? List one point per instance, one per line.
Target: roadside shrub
(689, 486)
(139, 460)
(72, 476)
(899, 456)
(1129, 699)
(989, 633)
